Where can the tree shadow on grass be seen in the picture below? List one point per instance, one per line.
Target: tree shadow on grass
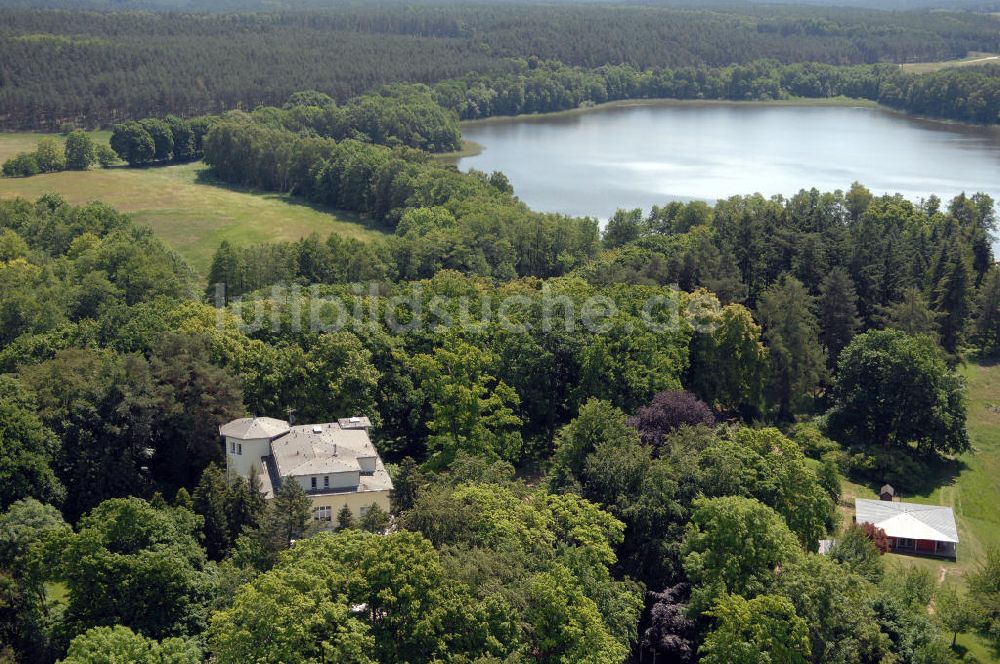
(933, 474)
(981, 358)
(204, 176)
(913, 477)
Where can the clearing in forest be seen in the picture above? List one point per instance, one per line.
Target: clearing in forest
(184, 206)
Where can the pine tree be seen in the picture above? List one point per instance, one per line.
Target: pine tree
(988, 313)
(792, 335)
(210, 498)
(375, 520)
(245, 506)
(912, 314)
(838, 312)
(345, 518)
(952, 298)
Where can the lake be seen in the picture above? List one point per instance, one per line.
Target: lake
(594, 161)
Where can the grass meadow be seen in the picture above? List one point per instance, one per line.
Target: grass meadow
(972, 60)
(183, 205)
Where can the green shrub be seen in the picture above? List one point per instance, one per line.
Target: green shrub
(21, 166)
(106, 157)
(50, 155)
(811, 440)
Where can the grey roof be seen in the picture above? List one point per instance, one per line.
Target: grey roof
(909, 520)
(886, 488)
(316, 449)
(357, 422)
(254, 428)
(378, 481)
(264, 477)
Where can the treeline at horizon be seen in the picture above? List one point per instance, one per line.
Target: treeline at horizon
(97, 68)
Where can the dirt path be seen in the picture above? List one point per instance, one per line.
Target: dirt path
(943, 572)
(989, 57)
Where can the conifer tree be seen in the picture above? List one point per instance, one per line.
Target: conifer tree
(838, 312)
(210, 498)
(375, 520)
(224, 270)
(792, 335)
(245, 506)
(345, 518)
(988, 313)
(912, 314)
(952, 298)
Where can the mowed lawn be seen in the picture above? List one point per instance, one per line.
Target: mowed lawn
(970, 486)
(184, 206)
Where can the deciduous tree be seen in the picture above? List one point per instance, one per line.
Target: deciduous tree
(471, 409)
(894, 390)
(28, 449)
(671, 632)
(134, 565)
(668, 411)
(756, 631)
(735, 545)
(133, 143)
(50, 155)
(99, 645)
(81, 152)
(956, 612)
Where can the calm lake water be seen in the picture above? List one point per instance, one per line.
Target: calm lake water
(592, 162)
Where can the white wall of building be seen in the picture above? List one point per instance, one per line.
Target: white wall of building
(346, 480)
(243, 455)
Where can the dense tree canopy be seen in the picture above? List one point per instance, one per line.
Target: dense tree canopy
(735, 545)
(894, 390)
(135, 565)
(96, 67)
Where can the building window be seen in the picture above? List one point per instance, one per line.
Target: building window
(364, 510)
(323, 514)
(313, 482)
(326, 481)
(239, 448)
(232, 447)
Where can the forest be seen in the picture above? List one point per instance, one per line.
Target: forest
(615, 442)
(90, 68)
(645, 467)
(585, 428)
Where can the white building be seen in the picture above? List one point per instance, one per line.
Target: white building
(335, 463)
(928, 530)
